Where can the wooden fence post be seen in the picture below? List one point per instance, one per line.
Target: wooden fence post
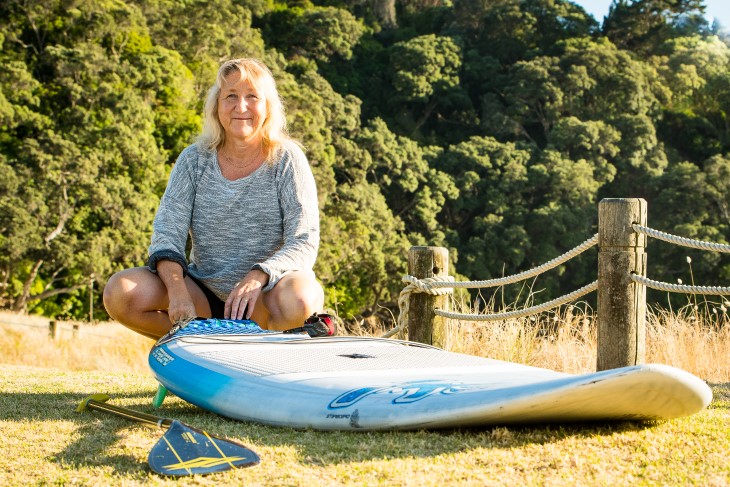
(91, 300)
(52, 330)
(621, 302)
(424, 326)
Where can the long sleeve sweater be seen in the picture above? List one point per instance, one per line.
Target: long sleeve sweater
(269, 219)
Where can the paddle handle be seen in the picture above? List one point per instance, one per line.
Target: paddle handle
(130, 414)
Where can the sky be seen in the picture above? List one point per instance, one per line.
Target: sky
(719, 9)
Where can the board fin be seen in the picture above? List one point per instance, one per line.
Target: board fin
(159, 396)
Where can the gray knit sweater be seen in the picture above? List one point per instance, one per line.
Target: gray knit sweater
(269, 219)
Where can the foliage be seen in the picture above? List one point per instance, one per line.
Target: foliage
(491, 127)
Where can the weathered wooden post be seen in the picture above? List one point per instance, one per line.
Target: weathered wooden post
(621, 302)
(424, 326)
(91, 299)
(52, 330)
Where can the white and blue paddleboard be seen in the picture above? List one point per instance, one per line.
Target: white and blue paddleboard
(237, 370)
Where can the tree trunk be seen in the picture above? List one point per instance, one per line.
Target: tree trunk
(22, 300)
(53, 292)
(384, 10)
(426, 114)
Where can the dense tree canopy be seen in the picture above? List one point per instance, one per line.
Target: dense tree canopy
(491, 127)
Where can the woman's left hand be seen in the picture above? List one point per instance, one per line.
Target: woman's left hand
(242, 300)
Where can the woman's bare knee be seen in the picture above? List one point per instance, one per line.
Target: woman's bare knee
(293, 300)
(133, 290)
(138, 299)
(300, 306)
(115, 296)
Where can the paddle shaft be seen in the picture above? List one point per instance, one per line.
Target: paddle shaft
(147, 419)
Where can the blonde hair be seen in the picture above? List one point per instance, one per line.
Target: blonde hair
(273, 131)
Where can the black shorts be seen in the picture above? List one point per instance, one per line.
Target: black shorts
(217, 307)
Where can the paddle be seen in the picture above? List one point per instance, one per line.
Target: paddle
(182, 450)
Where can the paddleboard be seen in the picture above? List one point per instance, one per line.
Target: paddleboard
(237, 370)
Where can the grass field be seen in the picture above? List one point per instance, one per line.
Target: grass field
(45, 442)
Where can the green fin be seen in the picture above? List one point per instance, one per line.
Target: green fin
(159, 397)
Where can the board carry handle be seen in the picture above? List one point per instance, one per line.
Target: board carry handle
(98, 402)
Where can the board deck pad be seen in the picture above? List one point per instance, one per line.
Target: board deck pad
(237, 370)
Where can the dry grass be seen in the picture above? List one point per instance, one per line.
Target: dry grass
(45, 442)
(566, 340)
(689, 340)
(24, 340)
(563, 340)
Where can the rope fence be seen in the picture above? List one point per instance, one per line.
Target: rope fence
(445, 285)
(682, 241)
(519, 313)
(429, 284)
(621, 240)
(680, 288)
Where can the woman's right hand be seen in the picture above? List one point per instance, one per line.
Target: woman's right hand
(181, 305)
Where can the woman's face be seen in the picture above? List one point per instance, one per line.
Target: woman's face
(241, 108)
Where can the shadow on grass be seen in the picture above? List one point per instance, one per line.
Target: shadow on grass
(721, 396)
(96, 432)
(99, 433)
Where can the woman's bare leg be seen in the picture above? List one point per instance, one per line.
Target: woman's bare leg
(294, 299)
(137, 298)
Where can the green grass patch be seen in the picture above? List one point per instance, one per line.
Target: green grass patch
(46, 442)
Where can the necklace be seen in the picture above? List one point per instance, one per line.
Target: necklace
(228, 160)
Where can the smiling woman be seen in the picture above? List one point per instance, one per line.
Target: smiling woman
(246, 83)
(239, 100)
(241, 112)
(245, 194)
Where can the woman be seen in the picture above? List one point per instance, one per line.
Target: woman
(245, 194)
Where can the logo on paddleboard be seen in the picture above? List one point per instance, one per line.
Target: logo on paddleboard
(403, 394)
(161, 356)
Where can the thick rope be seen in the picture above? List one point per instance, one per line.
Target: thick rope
(445, 285)
(429, 284)
(683, 241)
(522, 312)
(426, 285)
(680, 288)
(440, 286)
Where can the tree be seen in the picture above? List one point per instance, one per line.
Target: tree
(205, 33)
(414, 190)
(694, 199)
(643, 25)
(513, 30)
(489, 126)
(532, 99)
(605, 82)
(425, 70)
(697, 71)
(318, 33)
(81, 150)
(486, 221)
